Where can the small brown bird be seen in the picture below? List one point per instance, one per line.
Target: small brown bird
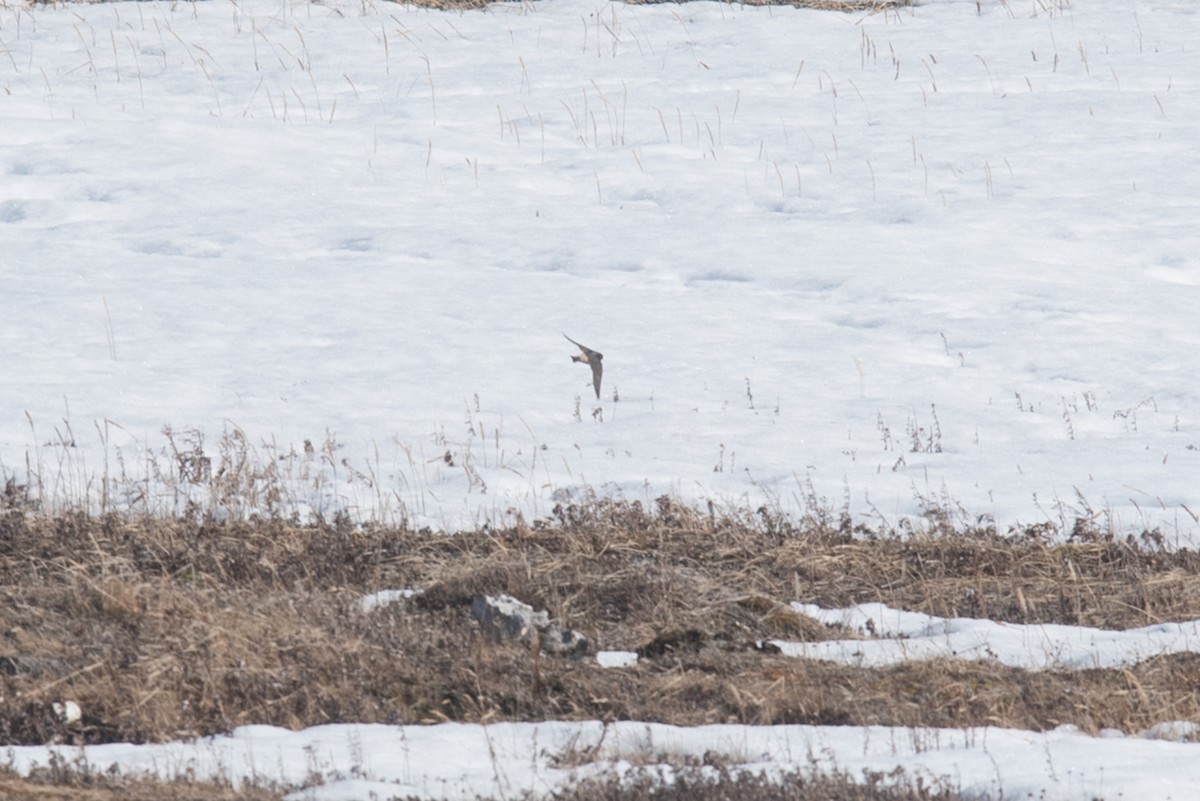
(591, 358)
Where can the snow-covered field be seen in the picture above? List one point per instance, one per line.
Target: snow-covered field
(806, 242)
(944, 257)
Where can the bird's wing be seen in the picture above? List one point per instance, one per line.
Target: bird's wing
(597, 371)
(586, 350)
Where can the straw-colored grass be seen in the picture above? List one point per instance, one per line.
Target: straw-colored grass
(161, 629)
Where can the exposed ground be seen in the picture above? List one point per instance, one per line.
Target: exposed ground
(161, 629)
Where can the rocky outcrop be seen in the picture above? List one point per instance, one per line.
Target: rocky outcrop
(505, 619)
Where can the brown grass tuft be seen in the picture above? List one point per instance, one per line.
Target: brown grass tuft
(64, 783)
(696, 783)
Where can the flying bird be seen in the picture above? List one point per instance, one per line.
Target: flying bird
(591, 358)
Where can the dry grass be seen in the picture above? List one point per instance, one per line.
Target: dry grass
(167, 628)
(71, 786)
(691, 782)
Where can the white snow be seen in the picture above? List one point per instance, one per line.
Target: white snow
(946, 258)
(806, 243)
(898, 636)
(616, 659)
(375, 600)
(505, 760)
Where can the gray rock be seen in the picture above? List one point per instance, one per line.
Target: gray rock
(568, 642)
(505, 619)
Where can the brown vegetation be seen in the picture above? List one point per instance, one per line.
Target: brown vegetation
(161, 629)
(72, 786)
(691, 784)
